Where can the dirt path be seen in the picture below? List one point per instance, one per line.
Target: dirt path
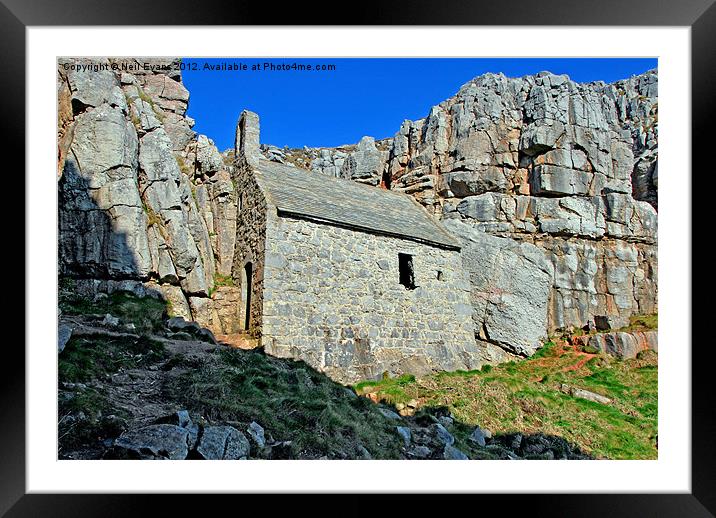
(238, 341)
(139, 392)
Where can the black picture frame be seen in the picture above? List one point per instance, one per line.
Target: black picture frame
(700, 15)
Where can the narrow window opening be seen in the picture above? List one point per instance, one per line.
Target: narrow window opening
(405, 268)
(246, 279)
(439, 275)
(242, 135)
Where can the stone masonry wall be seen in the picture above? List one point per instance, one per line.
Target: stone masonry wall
(250, 240)
(332, 298)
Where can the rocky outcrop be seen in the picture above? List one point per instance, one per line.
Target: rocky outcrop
(143, 200)
(624, 344)
(365, 164)
(510, 292)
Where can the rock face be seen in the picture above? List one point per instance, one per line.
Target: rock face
(143, 200)
(366, 164)
(511, 283)
(64, 333)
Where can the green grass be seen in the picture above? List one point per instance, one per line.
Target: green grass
(85, 359)
(223, 280)
(526, 397)
(642, 323)
(290, 400)
(391, 389)
(85, 413)
(152, 217)
(146, 313)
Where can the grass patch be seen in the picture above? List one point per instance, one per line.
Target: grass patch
(135, 119)
(548, 350)
(290, 400)
(223, 280)
(186, 169)
(642, 323)
(526, 397)
(146, 313)
(153, 219)
(86, 416)
(391, 389)
(85, 359)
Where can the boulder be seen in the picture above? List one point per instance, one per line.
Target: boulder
(389, 414)
(586, 394)
(609, 322)
(443, 435)
(365, 165)
(110, 320)
(478, 436)
(256, 432)
(179, 307)
(452, 453)
(404, 433)
(420, 452)
(624, 345)
(181, 325)
(222, 443)
(159, 441)
(363, 453)
(511, 283)
(64, 333)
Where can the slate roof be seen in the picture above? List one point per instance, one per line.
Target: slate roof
(299, 193)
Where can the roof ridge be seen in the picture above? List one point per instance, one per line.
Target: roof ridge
(344, 202)
(345, 181)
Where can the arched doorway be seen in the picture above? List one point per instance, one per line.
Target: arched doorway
(246, 277)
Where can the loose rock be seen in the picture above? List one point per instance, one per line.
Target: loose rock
(222, 443)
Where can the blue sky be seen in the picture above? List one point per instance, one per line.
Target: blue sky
(359, 97)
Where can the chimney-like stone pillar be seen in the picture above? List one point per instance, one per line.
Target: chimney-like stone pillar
(247, 137)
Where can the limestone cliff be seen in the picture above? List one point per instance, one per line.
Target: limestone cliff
(145, 204)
